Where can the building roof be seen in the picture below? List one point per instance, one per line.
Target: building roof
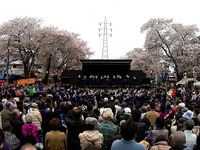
(106, 61)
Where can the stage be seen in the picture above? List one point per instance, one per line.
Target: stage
(104, 73)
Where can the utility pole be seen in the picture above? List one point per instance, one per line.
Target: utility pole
(106, 31)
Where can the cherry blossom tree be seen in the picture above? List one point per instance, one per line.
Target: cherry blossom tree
(146, 61)
(33, 44)
(26, 38)
(175, 42)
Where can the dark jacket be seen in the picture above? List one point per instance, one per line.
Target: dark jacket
(75, 127)
(123, 117)
(141, 131)
(17, 130)
(6, 115)
(115, 137)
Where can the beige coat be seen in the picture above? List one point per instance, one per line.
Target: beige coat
(91, 140)
(152, 116)
(162, 145)
(37, 118)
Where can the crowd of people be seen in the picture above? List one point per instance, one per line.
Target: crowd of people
(52, 117)
(106, 81)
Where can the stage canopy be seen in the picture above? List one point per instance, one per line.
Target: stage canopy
(106, 67)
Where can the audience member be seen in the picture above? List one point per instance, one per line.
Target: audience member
(55, 139)
(107, 128)
(152, 115)
(12, 140)
(161, 143)
(177, 141)
(191, 138)
(128, 131)
(91, 139)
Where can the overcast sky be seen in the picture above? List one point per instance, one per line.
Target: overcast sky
(83, 17)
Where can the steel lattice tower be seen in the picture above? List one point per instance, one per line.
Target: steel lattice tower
(106, 31)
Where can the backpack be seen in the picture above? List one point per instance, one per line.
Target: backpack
(30, 138)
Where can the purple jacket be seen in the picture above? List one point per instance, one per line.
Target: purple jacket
(26, 128)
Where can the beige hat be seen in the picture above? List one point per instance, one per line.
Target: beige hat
(34, 105)
(108, 114)
(29, 118)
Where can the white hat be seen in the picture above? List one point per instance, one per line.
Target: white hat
(4, 102)
(105, 99)
(127, 111)
(16, 99)
(181, 105)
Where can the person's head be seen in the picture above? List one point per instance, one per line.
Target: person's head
(196, 111)
(181, 122)
(7, 127)
(91, 123)
(189, 124)
(63, 107)
(162, 108)
(34, 105)
(55, 124)
(160, 122)
(29, 118)
(136, 115)
(77, 113)
(152, 105)
(128, 129)
(16, 113)
(96, 111)
(28, 146)
(177, 139)
(127, 111)
(144, 109)
(116, 102)
(108, 115)
(15, 100)
(89, 108)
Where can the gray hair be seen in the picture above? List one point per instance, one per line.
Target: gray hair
(177, 139)
(28, 146)
(189, 124)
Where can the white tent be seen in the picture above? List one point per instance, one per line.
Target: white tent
(185, 81)
(196, 84)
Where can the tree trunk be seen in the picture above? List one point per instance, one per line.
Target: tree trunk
(26, 72)
(48, 69)
(177, 73)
